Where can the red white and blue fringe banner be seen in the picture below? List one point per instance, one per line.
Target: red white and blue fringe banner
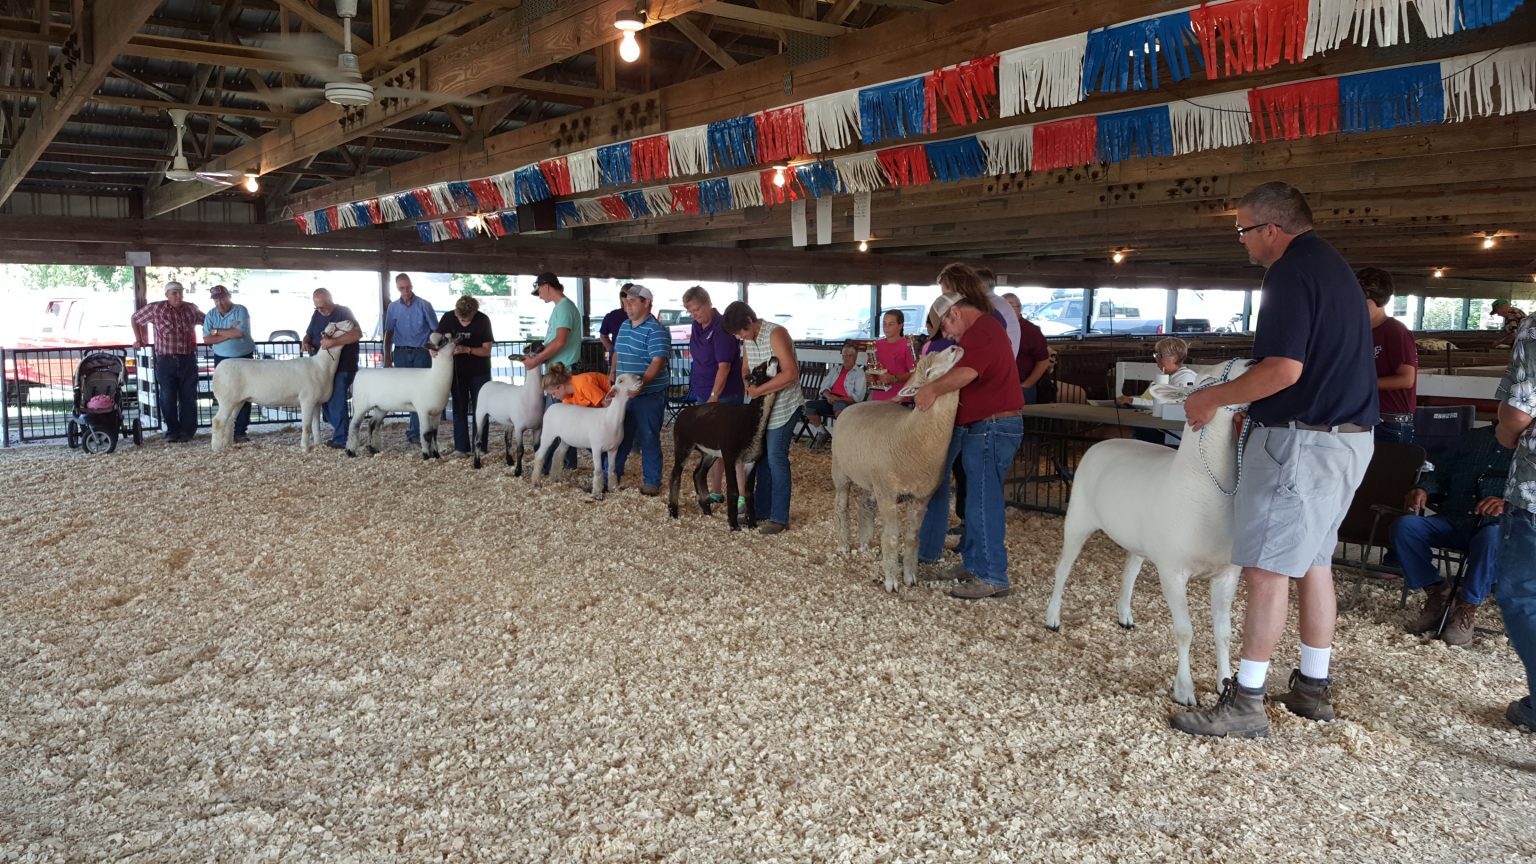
(1226, 39)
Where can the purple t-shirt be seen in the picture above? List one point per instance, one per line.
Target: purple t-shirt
(710, 346)
(610, 328)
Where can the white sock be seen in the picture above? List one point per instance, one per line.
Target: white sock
(1314, 661)
(1251, 673)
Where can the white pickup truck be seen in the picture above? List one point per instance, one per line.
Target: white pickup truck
(1065, 317)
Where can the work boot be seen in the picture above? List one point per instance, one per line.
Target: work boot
(1458, 629)
(1437, 598)
(1239, 712)
(1307, 697)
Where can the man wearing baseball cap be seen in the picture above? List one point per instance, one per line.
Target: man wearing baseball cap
(1512, 316)
(227, 327)
(642, 349)
(175, 337)
(562, 341)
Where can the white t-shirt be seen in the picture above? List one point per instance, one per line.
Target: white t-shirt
(1010, 320)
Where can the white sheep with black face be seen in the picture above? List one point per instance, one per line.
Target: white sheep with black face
(518, 407)
(599, 430)
(304, 383)
(1172, 507)
(376, 392)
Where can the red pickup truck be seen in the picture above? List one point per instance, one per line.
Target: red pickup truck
(66, 322)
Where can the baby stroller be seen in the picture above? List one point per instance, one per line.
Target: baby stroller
(98, 418)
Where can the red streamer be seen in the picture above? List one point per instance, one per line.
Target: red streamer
(303, 222)
(428, 203)
(1293, 111)
(334, 215)
(557, 174)
(906, 166)
(650, 159)
(375, 215)
(493, 224)
(685, 198)
(781, 134)
(615, 207)
(454, 231)
(1065, 143)
(774, 194)
(963, 90)
(1256, 34)
(487, 194)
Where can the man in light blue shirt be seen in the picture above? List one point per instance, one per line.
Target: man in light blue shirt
(407, 324)
(227, 327)
(642, 349)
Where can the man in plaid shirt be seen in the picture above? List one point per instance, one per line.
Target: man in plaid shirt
(175, 331)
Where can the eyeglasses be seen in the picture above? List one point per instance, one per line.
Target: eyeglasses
(1242, 230)
(1156, 356)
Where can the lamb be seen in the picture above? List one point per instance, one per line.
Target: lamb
(375, 392)
(519, 407)
(597, 429)
(730, 432)
(1173, 507)
(897, 456)
(304, 383)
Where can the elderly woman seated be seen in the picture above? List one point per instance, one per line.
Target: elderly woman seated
(1169, 354)
(846, 386)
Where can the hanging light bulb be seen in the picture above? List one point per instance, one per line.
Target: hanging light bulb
(250, 182)
(778, 175)
(630, 23)
(1488, 241)
(1117, 256)
(863, 245)
(475, 222)
(1439, 272)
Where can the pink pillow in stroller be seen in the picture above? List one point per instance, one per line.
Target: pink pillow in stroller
(99, 402)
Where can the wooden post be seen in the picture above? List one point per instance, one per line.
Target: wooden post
(383, 297)
(876, 303)
(584, 304)
(140, 287)
(1247, 311)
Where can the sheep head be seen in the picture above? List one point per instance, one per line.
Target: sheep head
(1210, 376)
(628, 382)
(336, 328)
(931, 367)
(763, 372)
(437, 341)
(533, 348)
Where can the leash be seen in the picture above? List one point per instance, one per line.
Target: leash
(1242, 438)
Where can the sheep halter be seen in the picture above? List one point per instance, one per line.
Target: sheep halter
(1242, 438)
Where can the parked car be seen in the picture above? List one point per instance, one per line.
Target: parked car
(1191, 325)
(678, 323)
(1065, 317)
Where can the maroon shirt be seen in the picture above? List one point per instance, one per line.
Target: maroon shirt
(996, 388)
(1032, 348)
(1395, 348)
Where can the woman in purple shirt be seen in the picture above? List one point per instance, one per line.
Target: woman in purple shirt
(716, 371)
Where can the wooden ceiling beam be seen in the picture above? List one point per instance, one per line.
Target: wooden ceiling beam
(780, 20)
(110, 27)
(429, 33)
(698, 37)
(324, 24)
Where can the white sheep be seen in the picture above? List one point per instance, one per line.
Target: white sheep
(1173, 507)
(897, 455)
(519, 407)
(599, 430)
(376, 392)
(304, 383)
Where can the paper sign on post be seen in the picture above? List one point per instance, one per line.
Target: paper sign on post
(860, 216)
(797, 222)
(824, 221)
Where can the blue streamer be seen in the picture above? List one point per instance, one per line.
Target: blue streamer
(893, 110)
(463, 196)
(360, 214)
(956, 160)
(733, 143)
(566, 214)
(509, 221)
(819, 178)
(410, 206)
(424, 231)
(1410, 96)
(1120, 58)
(715, 195)
(617, 164)
(530, 185)
(1143, 133)
(635, 201)
(322, 221)
(1483, 13)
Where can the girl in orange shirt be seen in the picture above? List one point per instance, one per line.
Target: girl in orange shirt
(588, 389)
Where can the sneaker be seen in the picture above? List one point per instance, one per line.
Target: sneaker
(242, 439)
(771, 528)
(741, 503)
(413, 439)
(1239, 711)
(935, 572)
(716, 498)
(975, 589)
(1437, 598)
(956, 530)
(1307, 697)
(650, 491)
(335, 445)
(1458, 627)
(1521, 715)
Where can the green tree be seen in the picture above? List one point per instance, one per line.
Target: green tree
(67, 277)
(826, 292)
(482, 284)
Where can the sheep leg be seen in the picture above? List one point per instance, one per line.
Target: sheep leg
(357, 421)
(597, 472)
(1127, 585)
(675, 480)
(840, 512)
(429, 435)
(1072, 542)
(222, 434)
(751, 496)
(890, 550)
(558, 462)
(732, 492)
(613, 467)
(701, 478)
(867, 509)
(481, 432)
(423, 416)
(375, 420)
(1176, 593)
(306, 417)
(513, 437)
(538, 460)
(912, 519)
(1223, 589)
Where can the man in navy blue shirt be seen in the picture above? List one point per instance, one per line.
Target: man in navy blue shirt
(1312, 398)
(327, 313)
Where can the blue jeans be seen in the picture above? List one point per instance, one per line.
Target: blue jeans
(642, 428)
(770, 501)
(1517, 586)
(930, 536)
(1414, 536)
(570, 455)
(406, 357)
(1031, 395)
(986, 449)
(462, 393)
(176, 393)
(1395, 431)
(335, 410)
(243, 418)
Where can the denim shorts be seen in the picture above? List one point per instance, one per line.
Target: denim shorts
(1297, 484)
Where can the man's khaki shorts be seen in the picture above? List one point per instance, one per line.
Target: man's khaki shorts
(1297, 485)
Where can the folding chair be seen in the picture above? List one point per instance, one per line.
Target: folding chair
(811, 377)
(1437, 427)
(679, 382)
(1393, 470)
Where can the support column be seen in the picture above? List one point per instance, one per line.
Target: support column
(383, 298)
(1247, 311)
(1171, 311)
(876, 303)
(140, 287)
(584, 304)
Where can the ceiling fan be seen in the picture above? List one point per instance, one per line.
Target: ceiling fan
(180, 171)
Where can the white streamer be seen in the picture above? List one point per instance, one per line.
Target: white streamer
(747, 189)
(1516, 69)
(1046, 75)
(1438, 16)
(440, 196)
(1211, 122)
(861, 172)
(688, 152)
(584, 170)
(506, 184)
(1469, 81)
(1008, 150)
(390, 209)
(591, 211)
(1328, 23)
(659, 199)
(832, 122)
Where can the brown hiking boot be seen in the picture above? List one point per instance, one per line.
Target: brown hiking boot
(1307, 697)
(1458, 628)
(1238, 712)
(1437, 598)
